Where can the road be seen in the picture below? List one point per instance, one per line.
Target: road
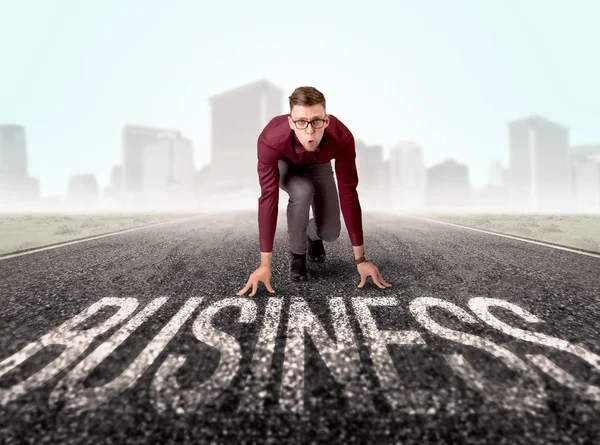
(140, 337)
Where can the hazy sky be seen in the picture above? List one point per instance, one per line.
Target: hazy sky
(447, 74)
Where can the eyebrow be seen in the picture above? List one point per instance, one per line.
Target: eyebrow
(305, 119)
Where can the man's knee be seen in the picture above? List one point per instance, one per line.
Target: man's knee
(330, 232)
(301, 191)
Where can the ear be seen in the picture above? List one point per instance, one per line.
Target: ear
(326, 121)
(290, 122)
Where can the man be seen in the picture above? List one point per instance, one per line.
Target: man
(295, 153)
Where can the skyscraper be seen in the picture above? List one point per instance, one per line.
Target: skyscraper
(156, 161)
(237, 118)
(539, 165)
(448, 186)
(16, 187)
(82, 192)
(495, 174)
(585, 169)
(13, 152)
(407, 176)
(372, 187)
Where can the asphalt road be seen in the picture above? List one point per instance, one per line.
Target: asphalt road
(139, 337)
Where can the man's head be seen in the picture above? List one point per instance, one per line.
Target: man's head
(307, 116)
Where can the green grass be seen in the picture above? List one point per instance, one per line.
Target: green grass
(29, 230)
(25, 231)
(579, 231)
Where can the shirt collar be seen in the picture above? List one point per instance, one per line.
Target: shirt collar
(299, 148)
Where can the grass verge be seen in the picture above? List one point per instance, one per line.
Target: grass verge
(581, 231)
(31, 230)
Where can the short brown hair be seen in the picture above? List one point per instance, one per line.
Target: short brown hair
(306, 96)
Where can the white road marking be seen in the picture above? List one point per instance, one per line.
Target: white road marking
(252, 398)
(540, 243)
(67, 243)
(341, 356)
(400, 398)
(167, 393)
(76, 341)
(480, 306)
(71, 389)
(528, 394)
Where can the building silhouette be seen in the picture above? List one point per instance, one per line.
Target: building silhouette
(540, 172)
(448, 186)
(407, 176)
(372, 179)
(493, 196)
(82, 192)
(495, 174)
(17, 188)
(168, 170)
(237, 118)
(113, 192)
(585, 171)
(158, 167)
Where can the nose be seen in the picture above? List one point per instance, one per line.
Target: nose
(310, 129)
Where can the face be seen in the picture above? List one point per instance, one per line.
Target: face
(309, 137)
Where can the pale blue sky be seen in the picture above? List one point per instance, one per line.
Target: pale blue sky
(447, 74)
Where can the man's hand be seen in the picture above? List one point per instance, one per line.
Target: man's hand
(263, 273)
(365, 269)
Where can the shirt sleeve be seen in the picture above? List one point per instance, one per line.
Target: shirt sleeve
(268, 175)
(347, 178)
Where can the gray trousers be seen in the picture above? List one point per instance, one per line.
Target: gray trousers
(310, 185)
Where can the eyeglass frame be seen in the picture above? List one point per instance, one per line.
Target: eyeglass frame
(309, 123)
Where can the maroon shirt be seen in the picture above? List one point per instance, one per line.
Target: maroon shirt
(278, 140)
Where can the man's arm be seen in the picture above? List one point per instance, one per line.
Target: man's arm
(347, 178)
(268, 174)
(345, 167)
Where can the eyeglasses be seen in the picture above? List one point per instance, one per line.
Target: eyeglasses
(301, 124)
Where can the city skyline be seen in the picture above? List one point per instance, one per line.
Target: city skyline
(449, 81)
(385, 151)
(545, 172)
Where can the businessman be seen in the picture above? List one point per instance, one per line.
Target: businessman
(294, 154)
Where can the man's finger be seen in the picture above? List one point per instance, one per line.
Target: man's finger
(243, 291)
(254, 287)
(375, 278)
(269, 288)
(362, 281)
(383, 281)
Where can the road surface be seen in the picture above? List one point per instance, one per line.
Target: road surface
(140, 337)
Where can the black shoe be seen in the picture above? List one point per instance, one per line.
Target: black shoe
(316, 251)
(298, 270)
